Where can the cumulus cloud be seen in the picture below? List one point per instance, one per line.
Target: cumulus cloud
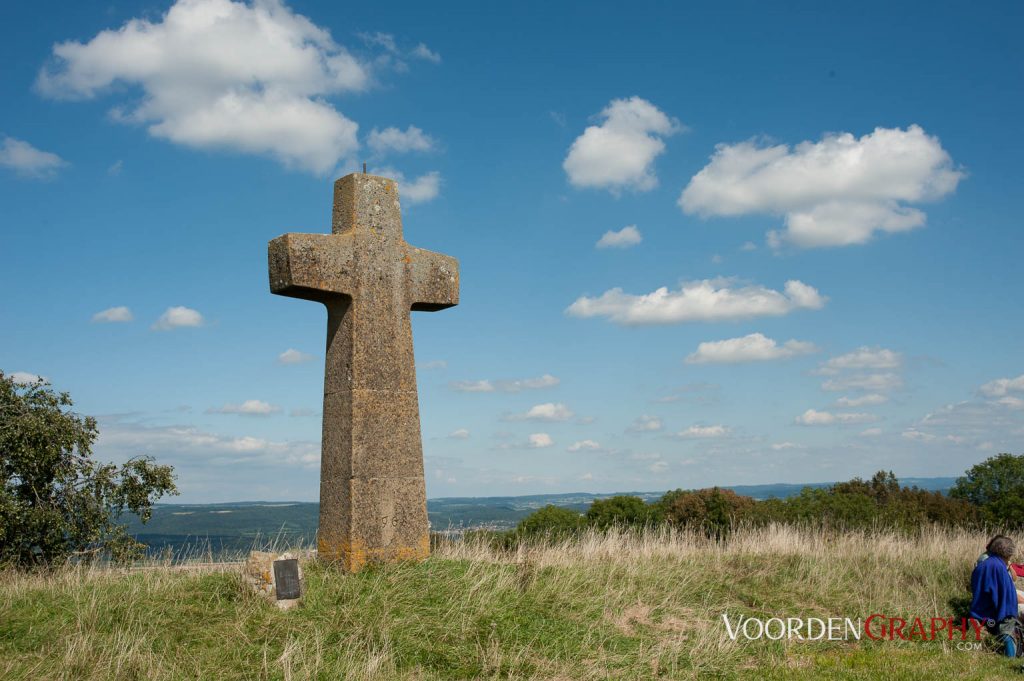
(459, 434)
(424, 188)
(874, 383)
(782, 446)
(423, 52)
(755, 347)
(509, 386)
(812, 417)
(25, 378)
(540, 441)
(619, 153)
(701, 432)
(835, 192)
(624, 238)
(1000, 387)
(247, 408)
(862, 401)
(27, 161)
(549, 411)
(293, 356)
(871, 432)
(113, 315)
(217, 74)
(658, 467)
(863, 357)
(399, 141)
(698, 301)
(645, 424)
(175, 317)
(583, 445)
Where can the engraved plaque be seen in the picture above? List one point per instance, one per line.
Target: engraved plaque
(286, 576)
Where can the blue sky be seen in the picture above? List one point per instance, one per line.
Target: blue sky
(712, 244)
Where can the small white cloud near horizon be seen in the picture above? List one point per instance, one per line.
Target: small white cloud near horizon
(755, 347)
(27, 161)
(583, 445)
(392, 139)
(838, 191)
(25, 378)
(620, 152)
(549, 411)
(293, 356)
(505, 386)
(247, 408)
(423, 52)
(178, 317)
(624, 238)
(862, 401)
(781, 446)
(459, 434)
(540, 441)
(870, 432)
(698, 301)
(864, 357)
(1000, 387)
(645, 424)
(872, 383)
(813, 417)
(701, 432)
(424, 188)
(113, 315)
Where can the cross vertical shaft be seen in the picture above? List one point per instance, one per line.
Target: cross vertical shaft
(372, 491)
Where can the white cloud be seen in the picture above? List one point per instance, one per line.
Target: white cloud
(748, 246)
(511, 386)
(549, 411)
(835, 192)
(782, 446)
(424, 188)
(619, 153)
(658, 467)
(293, 356)
(179, 316)
(1001, 386)
(423, 52)
(25, 378)
(395, 140)
(434, 364)
(755, 347)
(27, 161)
(871, 432)
(695, 432)
(874, 383)
(216, 74)
(645, 424)
(113, 314)
(698, 301)
(115, 168)
(247, 408)
(459, 434)
(624, 238)
(863, 357)
(540, 441)
(863, 401)
(812, 417)
(582, 445)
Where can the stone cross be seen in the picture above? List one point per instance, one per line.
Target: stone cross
(373, 504)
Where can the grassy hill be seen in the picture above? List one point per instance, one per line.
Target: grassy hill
(602, 607)
(217, 529)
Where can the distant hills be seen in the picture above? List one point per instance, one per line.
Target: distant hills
(220, 529)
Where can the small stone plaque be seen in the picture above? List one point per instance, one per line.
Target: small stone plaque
(286, 578)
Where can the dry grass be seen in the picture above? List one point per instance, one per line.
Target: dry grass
(604, 606)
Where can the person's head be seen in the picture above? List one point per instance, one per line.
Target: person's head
(988, 546)
(1001, 546)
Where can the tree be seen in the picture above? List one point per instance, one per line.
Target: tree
(996, 486)
(621, 511)
(55, 501)
(551, 521)
(714, 510)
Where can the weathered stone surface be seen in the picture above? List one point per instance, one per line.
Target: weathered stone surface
(262, 571)
(372, 493)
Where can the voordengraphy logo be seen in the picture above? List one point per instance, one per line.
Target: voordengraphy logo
(876, 627)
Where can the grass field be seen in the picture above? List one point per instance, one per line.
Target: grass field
(613, 606)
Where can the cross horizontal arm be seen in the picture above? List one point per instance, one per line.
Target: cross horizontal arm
(312, 266)
(435, 281)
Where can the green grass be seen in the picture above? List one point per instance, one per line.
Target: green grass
(603, 607)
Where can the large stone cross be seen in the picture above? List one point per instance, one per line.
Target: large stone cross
(373, 504)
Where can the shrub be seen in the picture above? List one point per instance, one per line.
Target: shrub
(621, 511)
(551, 521)
(714, 510)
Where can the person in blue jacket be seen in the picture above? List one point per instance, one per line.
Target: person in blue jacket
(994, 599)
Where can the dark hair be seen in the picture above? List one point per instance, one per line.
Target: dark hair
(1003, 547)
(988, 546)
